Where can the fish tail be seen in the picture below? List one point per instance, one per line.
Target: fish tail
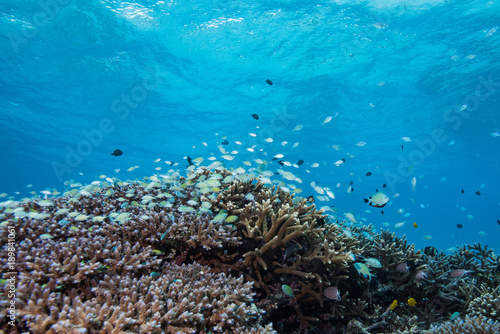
(366, 200)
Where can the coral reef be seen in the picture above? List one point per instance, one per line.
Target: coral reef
(177, 301)
(470, 325)
(218, 251)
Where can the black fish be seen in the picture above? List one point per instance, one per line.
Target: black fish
(281, 162)
(225, 142)
(343, 160)
(369, 174)
(431, 251)
(498, 221)
(382, 212)
(190, 161)
(460, 225)
(402, 146)
(351, 183)
(117, 153)
(255, 116)
(384, 185)
(292, 248)
(463, 191)
(300, 162)
(478, 193)
(310, 199)
(269, 82)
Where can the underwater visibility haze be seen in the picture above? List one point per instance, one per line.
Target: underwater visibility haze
(338, 102)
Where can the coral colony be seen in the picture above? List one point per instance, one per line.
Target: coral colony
(219, 251)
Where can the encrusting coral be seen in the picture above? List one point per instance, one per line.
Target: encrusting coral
(220, 251)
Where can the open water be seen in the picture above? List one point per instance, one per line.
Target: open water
(412, 89)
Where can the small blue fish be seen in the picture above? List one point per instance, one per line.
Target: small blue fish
(454, 316)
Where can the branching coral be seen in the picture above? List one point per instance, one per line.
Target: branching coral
(487, 305)
(177, 301)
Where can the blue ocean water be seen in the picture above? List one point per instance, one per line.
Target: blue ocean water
(413, 89)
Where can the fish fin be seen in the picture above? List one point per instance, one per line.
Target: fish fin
(366, 200)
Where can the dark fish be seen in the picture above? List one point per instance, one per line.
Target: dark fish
(478, 193)
(351, 183)
(498, 221)
(382, 212)
(343, 160)
(300, 162)
(190, 161)
(281, 162)
(431, 251)
(460, 225)
(463, 191)
(117, 153)
(310, 199)
(255, 116)
(292, 248)
(269, 82)
(402, 146)
(384, 185)
(369, 174)
(225, 142)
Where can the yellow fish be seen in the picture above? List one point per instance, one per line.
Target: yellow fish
(415, 225)
(412, 302)
(394, 304)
